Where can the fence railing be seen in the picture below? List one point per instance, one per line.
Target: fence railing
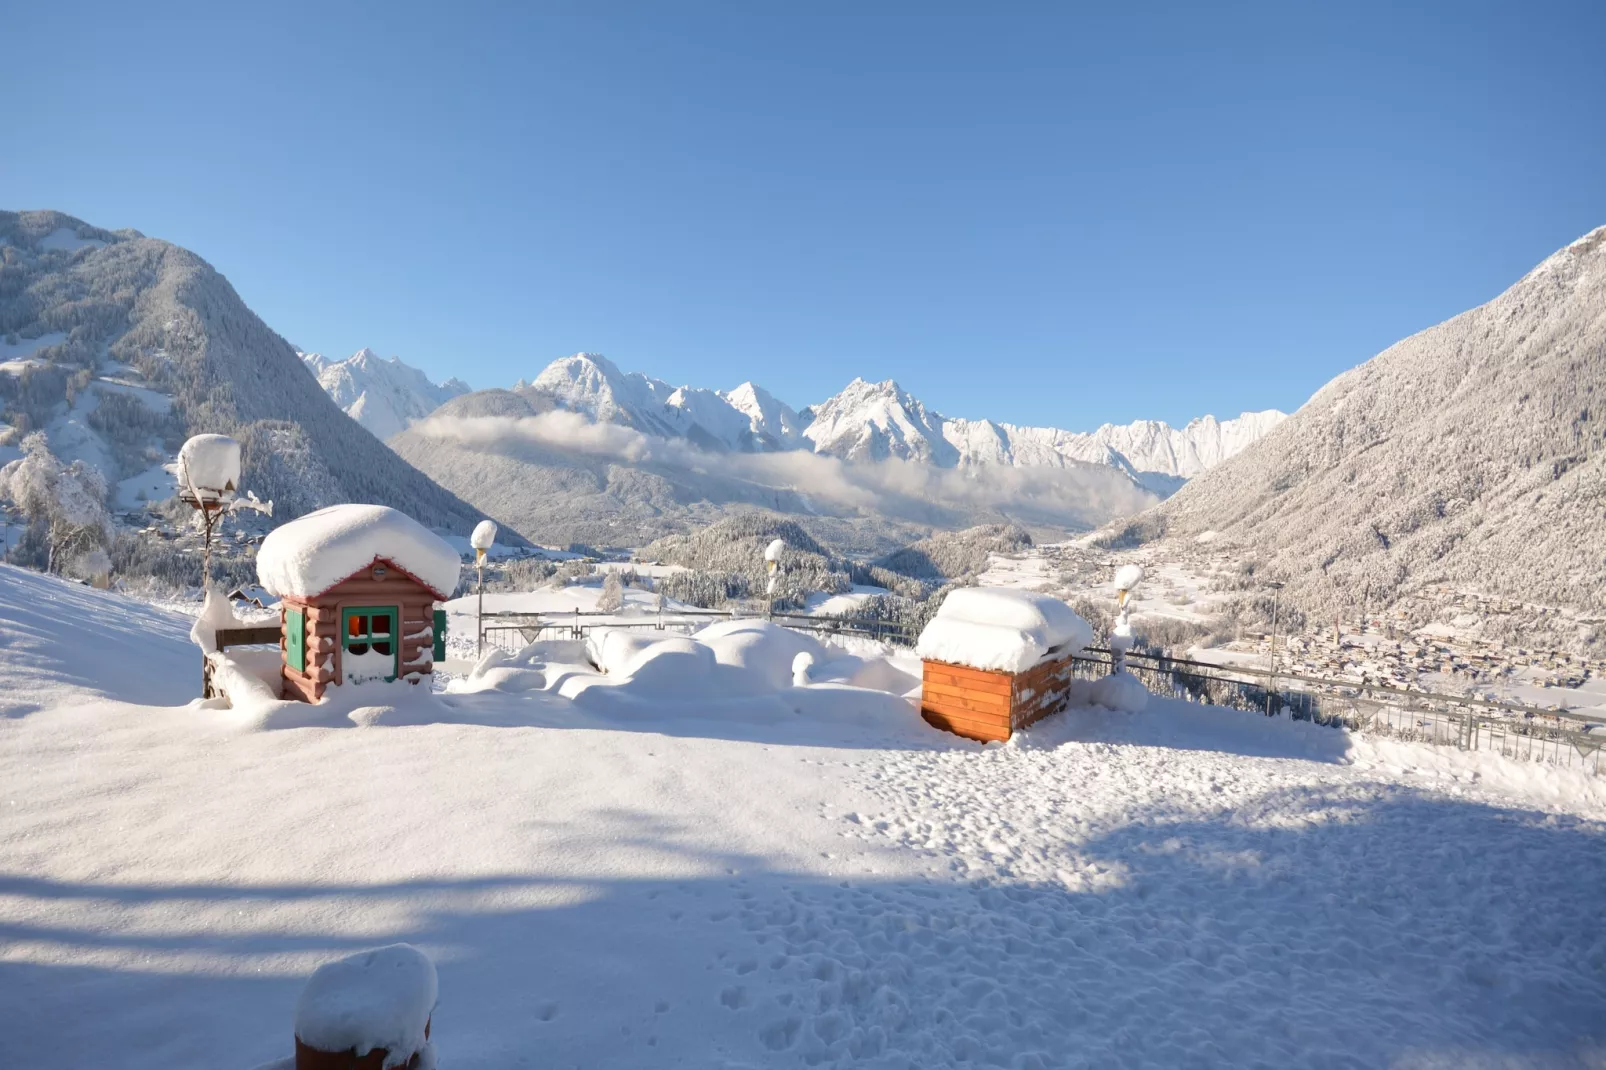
(1532, 733)
(511, 631)
(1556, 736)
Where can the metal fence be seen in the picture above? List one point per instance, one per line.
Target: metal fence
(1529, 733)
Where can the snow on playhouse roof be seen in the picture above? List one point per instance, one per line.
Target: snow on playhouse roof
(306, 557)
(1001, 629)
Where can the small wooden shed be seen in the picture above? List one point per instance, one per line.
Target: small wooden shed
(996, 660)
(361, 588)
(988, 704)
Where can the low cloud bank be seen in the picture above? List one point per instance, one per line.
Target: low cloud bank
(1076, 495)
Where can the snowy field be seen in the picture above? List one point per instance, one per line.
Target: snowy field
(811, 879)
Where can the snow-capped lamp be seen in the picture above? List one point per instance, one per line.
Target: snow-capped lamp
(772, 563)
(208, 474)
(1127, 577)
(481, 540)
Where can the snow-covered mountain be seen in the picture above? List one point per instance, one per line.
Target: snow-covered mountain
(119, 346)
(1471, 454)
(880, 421)
(385, 396)
(747, 419)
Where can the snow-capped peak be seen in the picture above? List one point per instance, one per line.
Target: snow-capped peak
(875, 421)
(383, 394)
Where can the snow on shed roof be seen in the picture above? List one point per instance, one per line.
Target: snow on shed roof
(1001, 629)
(306, 557)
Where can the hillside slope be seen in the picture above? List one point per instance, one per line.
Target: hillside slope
(1470, 454)
(77, 298)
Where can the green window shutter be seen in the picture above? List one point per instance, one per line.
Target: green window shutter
(440, 635)
(295, 639)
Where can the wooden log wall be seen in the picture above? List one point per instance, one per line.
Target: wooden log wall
(991, 706)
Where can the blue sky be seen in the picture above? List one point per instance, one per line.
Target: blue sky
(1040, 213)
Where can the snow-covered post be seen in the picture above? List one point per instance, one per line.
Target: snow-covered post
(483, 538)
(370, 1009)
(772, 564)
(1127, 577)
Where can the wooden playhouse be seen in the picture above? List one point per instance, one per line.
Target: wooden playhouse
(360, 589)
(996, 660)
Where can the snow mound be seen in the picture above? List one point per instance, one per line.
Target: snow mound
(1128, 577)
(484, 536)
(759, 647)
(308, 556)
(724, 666)
(377, 999)
(1119, 691)
(209, 467)
(1001, 629)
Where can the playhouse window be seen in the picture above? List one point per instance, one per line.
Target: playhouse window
(369, 629)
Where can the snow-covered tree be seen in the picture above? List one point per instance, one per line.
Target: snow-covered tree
(68, 501)
(613, 594)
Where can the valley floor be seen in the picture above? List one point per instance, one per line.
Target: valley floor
(837, 885)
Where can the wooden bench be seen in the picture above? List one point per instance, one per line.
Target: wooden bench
(259, 635)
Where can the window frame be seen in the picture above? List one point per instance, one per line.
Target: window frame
(346, 640)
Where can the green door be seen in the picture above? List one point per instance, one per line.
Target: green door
(370, 646)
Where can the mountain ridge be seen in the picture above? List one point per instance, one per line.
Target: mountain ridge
(169, 336)
(1470, 454)
(868, 421)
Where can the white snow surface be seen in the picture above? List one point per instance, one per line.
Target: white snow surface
(209, 465)
(821, 881)
(1128, 576)
(1002, 629)
(379, 999)
(311, 554)
(483, 536)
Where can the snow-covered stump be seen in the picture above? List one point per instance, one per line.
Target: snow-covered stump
(370, 1011)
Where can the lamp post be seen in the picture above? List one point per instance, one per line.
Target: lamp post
(1271, 689)
(482, 539)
